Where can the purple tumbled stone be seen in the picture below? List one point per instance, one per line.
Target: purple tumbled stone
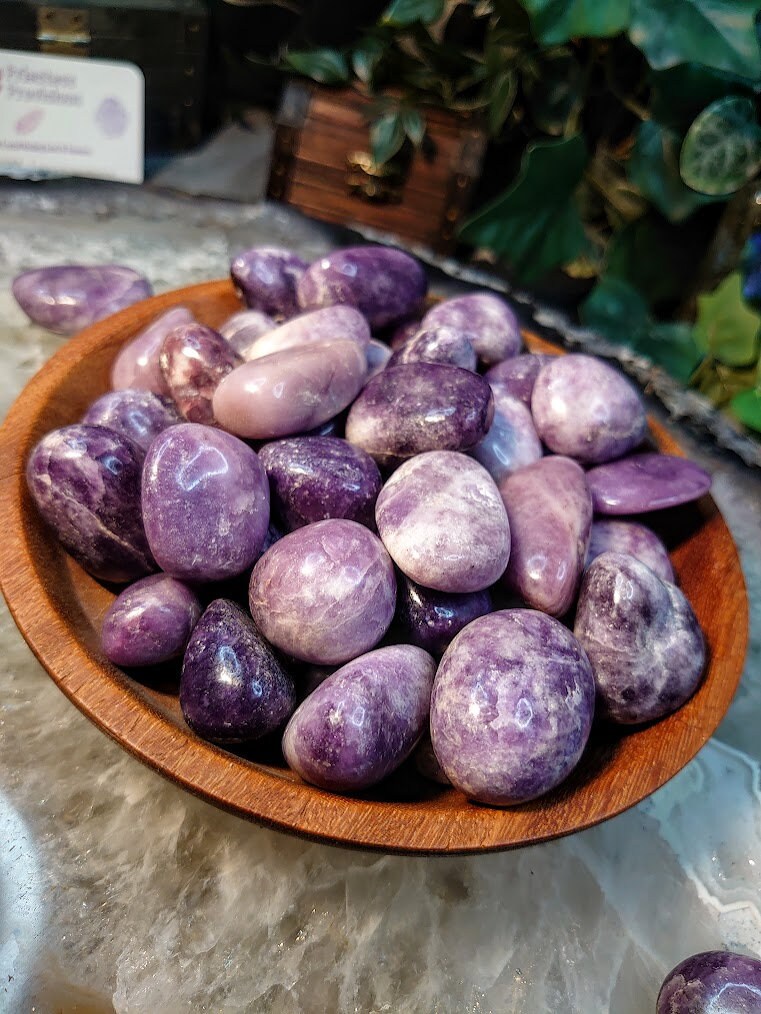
(333, 323)
(384, 284)
(550, 512)
(324, 593)
(441, 518)
(418, 407)
(634, 540)
(512, 707)
(314, 478)
(85, 481)
(378, 355)
(205, 503)
(430, 619)
(363, 720)
(642, 638)
(266, 277)
(587, 410)
(646, 482)
(488, 319)
(402, 332)
(149, 622)
(517, 376)
(438, 345)
(244, 329)
(511, 442)
(194, 358)
(137, 364)
(68, 297)
(233, 689)
(139, 415)
(712, 982)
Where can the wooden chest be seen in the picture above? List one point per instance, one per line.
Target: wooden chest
(321, 165)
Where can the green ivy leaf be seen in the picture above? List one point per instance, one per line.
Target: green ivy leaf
(715, 33)
(557, 21)
(406, 12)
(680, 93)
(535, 225)
(413, 124)
(658, 259)
(726, 327)
(556, 95)
(503, 92)
(386, 136)
(327, 66)
(747, 407)
(722, 149)
(672, 346)
(654, 169)
(366, 58)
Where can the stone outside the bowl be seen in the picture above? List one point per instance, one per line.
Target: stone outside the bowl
(712, 982)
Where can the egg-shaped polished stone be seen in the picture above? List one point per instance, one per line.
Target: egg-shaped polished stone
(149, 622)
(587, 410)
(712, 982)
(441, 518)
(633, 539)
(486, 317)
(85, 482)
(517, 375)
(550, 513)
(430, 619)
(333, 323)
(437, 345)
(512, 707)
(194, 358)
(205, 503)
(292, 391)
(511, 442)
(362, 721)
(243, 330)
(137, 364)
(324, 593)
(646, 482)
(384, 284)
(138, 415)
(266, 277)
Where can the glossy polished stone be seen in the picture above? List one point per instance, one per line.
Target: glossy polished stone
(233, 688)
(243, 329)
(266, 277)
(488, 318)
(511, 442)
(642, 638)
(205, 503)
(517, 375)
(85, 482)
(149, 622)
(439, 344)
(712, 982)
(384, 284)
(361, 723)
(194, 358)
(292, 391)
(633, 539)
(646, 482)
(137, 364)
(138, 415)
(430, 619)
(418, 407)
(325, 593)
(314, 478)
(69, 297)
(550, 512)
(512, 707)
(378, 355)
(333, 323)
(441, 518)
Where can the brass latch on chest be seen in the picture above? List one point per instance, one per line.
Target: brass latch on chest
(63, 30)
(382, 184)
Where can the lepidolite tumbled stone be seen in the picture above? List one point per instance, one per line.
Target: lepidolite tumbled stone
(587, 410)
(85, 481)
(494, 327)
(712, 982)
(517, 375)
(150, 622)
(646, 482)
(634, 540)
(438, 345)
(68, 297)
(314, 478)
(205, 503)
(194, 358)
(512, 707)
(642, 638)
(266, 277)
(243, 330)
(384, 284)
(430, 619)
(138, 415)
(137, 365)
(324, 593)
(363, 720)
(378, 355)
(511, 442)
(441, 518)
(233, 689)
(550, 513)
(333, 323)
(418, 407)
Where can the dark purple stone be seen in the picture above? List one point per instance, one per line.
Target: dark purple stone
(496, 334)
(138, 415)
(233, 689)
(314, 478)
(634, 540)
(517, 376)
(85, 481)
(713, 982)
(149, 622)
(266, 277)
(194, 359)
(646, 482)
(440, 344)
(430, 619)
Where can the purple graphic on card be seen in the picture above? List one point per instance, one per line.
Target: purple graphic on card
(29, 121)
(111, 117)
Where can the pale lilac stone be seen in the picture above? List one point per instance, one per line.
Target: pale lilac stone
(384, 284)
(137, 364)
(85, 482)
(138, 415)
(68, 297)
(496, 334)
(646, 482)
(334, 323)
(194, 358)
(266, 277)
(205, 503)
(633, 539)
(550, 512)
(243, 329)
(712, 982)
(324, 593)
(512, 707)
(362, 722)
(442, 520)
(517, 376)
(149, 622)
(292, 391)
(439, 344)
(587, 410)
(378, 355)
(430, 619)
(511, 442)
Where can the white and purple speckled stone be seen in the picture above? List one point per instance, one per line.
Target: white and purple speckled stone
(586, 409)
(646, 482)
(384, 284)
(439, 344)
(642, 638)
(517, 375)
(430, 619)
(712, 982)
(324, 593)
(266, 277)
(364, 720)
(333, 323)
(441, 518)
(511, 442)
(378, 355)
(137, 364)
(149, 622)
(194, 358)
(138, 415)
(633, 539)
(550, 512)
(85, 482)
(205, 503)
(512, 707)
(496, 334)
(243, 330)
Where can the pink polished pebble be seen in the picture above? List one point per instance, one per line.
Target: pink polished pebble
(194, 358)
(137, 364)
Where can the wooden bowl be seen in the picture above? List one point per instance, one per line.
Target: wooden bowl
(59, 609)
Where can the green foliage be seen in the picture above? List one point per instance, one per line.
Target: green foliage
(406, 12)
(387, 136)
(654, 169)
(746, 406)
(722, 148)
(557, 21)
(326, 66)
(726, 327)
